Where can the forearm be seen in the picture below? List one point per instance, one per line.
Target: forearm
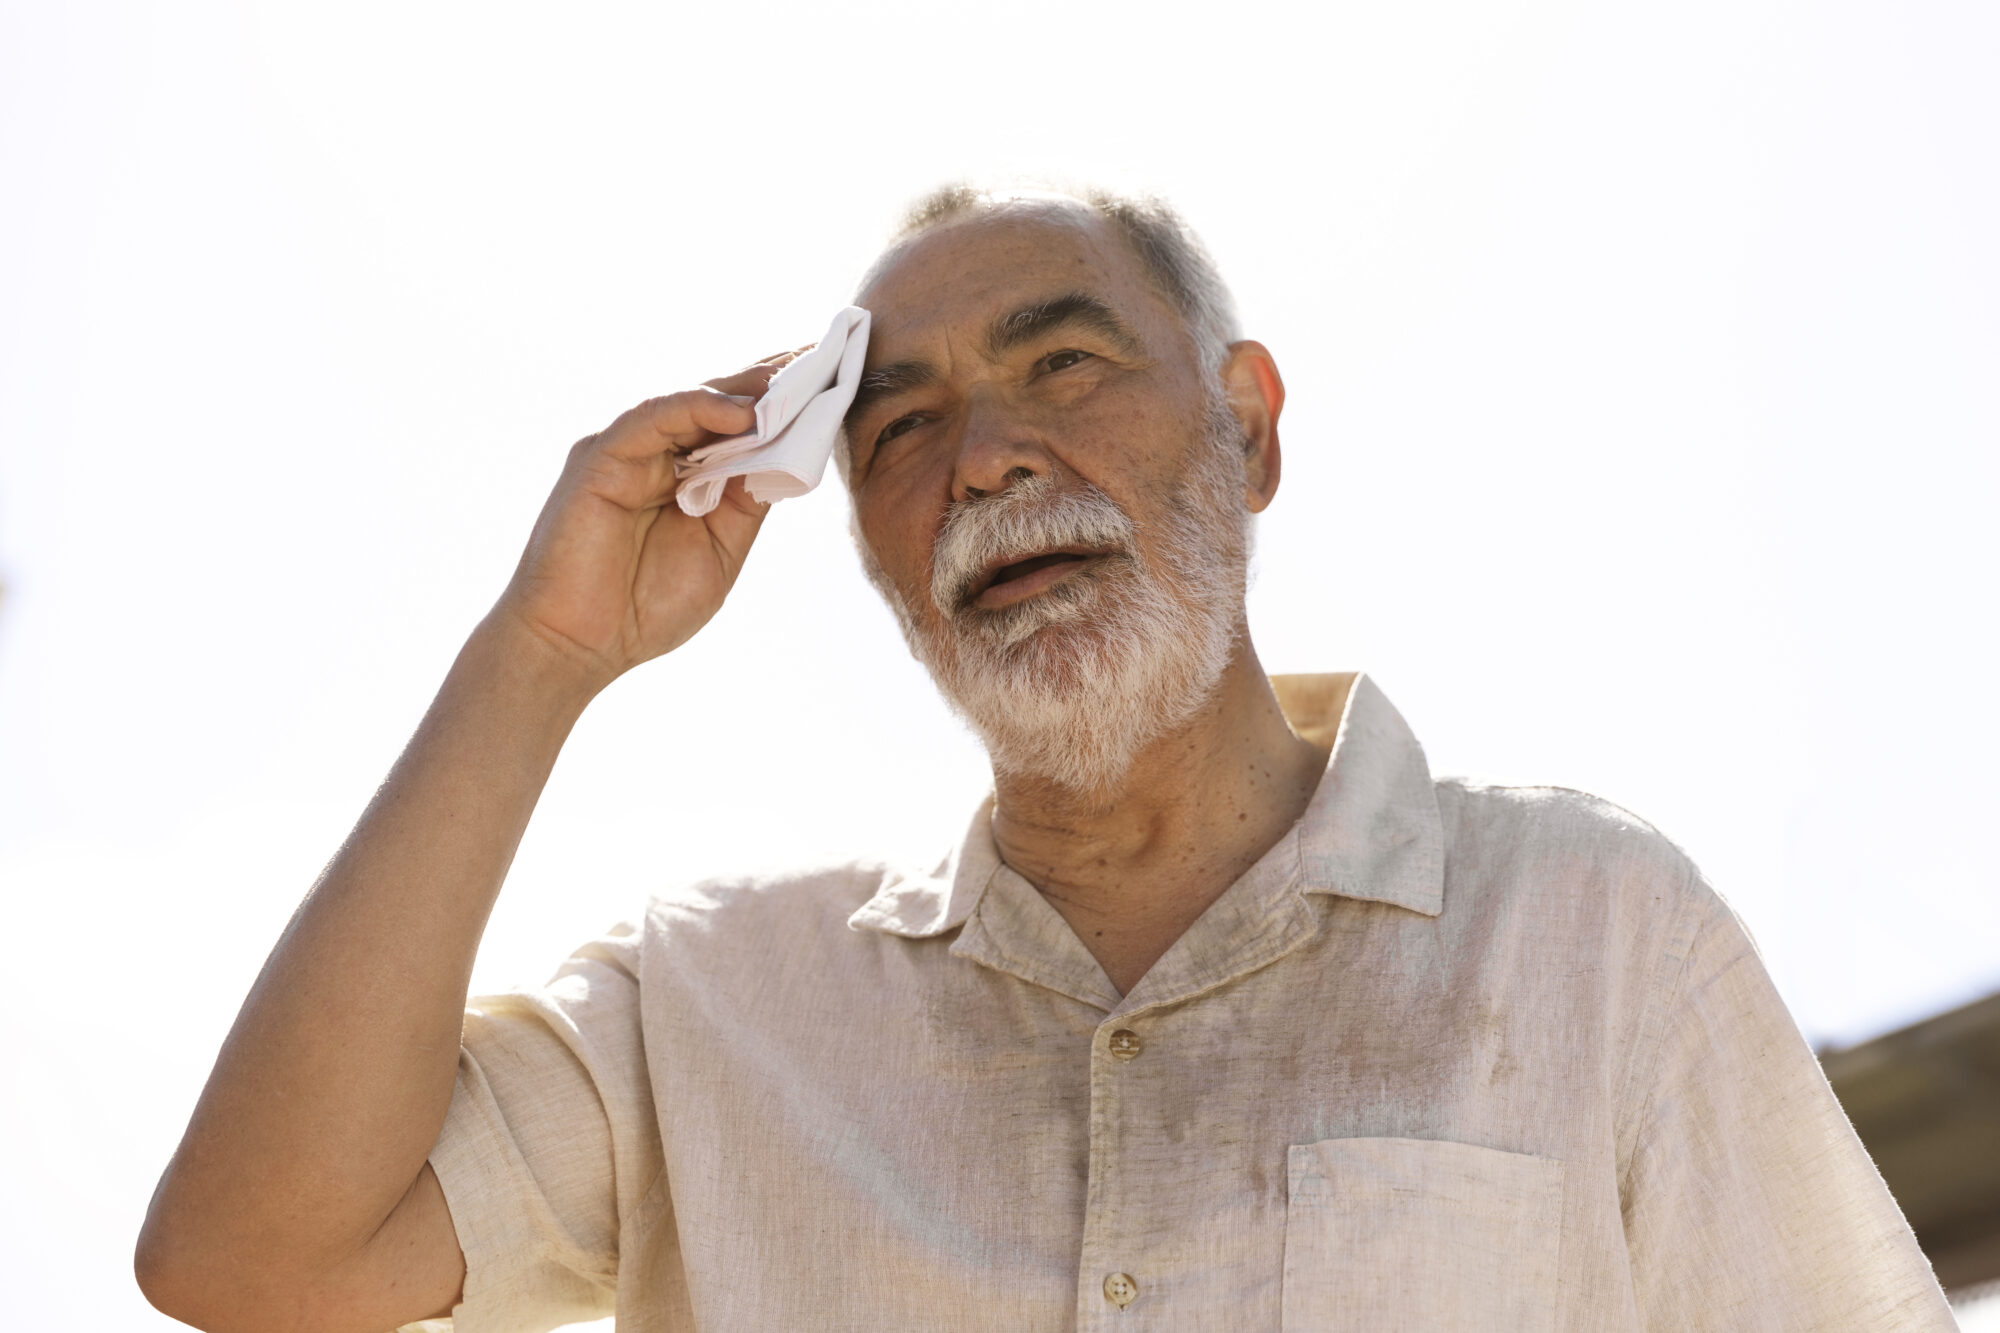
(334, 1082)
(298, 1197)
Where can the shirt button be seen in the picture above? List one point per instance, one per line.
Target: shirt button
(1120, 1289)
(1125, 1045)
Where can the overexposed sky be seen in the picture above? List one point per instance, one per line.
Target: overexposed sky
(1644, 366)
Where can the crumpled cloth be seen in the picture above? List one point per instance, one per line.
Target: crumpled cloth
(798, 422)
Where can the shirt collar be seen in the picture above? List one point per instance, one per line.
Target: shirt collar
(923, 904)
(1371, 831)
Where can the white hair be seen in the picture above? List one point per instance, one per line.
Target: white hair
(1175, 259)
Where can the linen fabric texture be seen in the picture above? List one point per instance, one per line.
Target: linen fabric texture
(1449, 1056)
(798, 425)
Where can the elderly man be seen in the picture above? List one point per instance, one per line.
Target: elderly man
(1223, 1014)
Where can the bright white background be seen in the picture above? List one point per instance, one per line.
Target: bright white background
(1641, 439)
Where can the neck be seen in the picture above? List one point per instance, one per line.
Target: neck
(1131, 868)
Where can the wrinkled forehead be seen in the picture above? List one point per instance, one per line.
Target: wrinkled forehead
(962, 272)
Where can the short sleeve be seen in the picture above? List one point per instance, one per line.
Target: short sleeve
(550, 1143)
(1749, 1202)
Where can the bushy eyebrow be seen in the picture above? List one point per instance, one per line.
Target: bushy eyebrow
(1072, 309)
(896, 377)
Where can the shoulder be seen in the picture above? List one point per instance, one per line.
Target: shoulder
(762, 949)
(1575, 864)
(1559, 831)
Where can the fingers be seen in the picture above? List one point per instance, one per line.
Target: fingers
(679, 422)
(755, 378)
(751, 381)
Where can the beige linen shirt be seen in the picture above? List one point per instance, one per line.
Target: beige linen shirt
(1449, 1056)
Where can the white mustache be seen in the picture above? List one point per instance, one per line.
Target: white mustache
(1027, 519)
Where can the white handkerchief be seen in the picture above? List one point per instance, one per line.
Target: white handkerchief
(798, 420)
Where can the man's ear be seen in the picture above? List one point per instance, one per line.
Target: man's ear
(1256, 396)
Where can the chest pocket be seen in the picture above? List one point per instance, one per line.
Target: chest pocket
(1410, 1234)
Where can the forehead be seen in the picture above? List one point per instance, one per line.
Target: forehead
(965, 272)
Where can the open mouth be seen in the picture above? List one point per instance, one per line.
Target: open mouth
(1005, 584)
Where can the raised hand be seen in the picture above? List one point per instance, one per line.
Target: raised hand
(614, 573)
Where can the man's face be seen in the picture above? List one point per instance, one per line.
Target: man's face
(1048, 489)
(1026, 342)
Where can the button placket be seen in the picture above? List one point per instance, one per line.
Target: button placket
(1106, 1287)
(1126, 1246)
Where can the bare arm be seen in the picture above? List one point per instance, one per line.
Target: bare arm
(300, 1196)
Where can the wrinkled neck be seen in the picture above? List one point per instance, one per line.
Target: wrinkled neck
(1199, 806)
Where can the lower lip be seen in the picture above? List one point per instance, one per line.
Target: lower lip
(1016, 590)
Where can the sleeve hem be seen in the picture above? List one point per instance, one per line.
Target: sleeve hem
(477, 1165)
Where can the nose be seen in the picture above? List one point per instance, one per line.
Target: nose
(1014, 474)
(997, 448)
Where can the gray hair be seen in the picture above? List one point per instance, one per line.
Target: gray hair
(1176, 260)
(1178, 263)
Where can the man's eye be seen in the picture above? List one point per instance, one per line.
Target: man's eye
(1063, 360)
(895, 428)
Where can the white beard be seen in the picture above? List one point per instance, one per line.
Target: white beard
(1070, 685)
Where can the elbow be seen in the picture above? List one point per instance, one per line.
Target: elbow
(163, 1259)
(161, 1277)
(219, 1286)
(174, 1283)
(190, 1280)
